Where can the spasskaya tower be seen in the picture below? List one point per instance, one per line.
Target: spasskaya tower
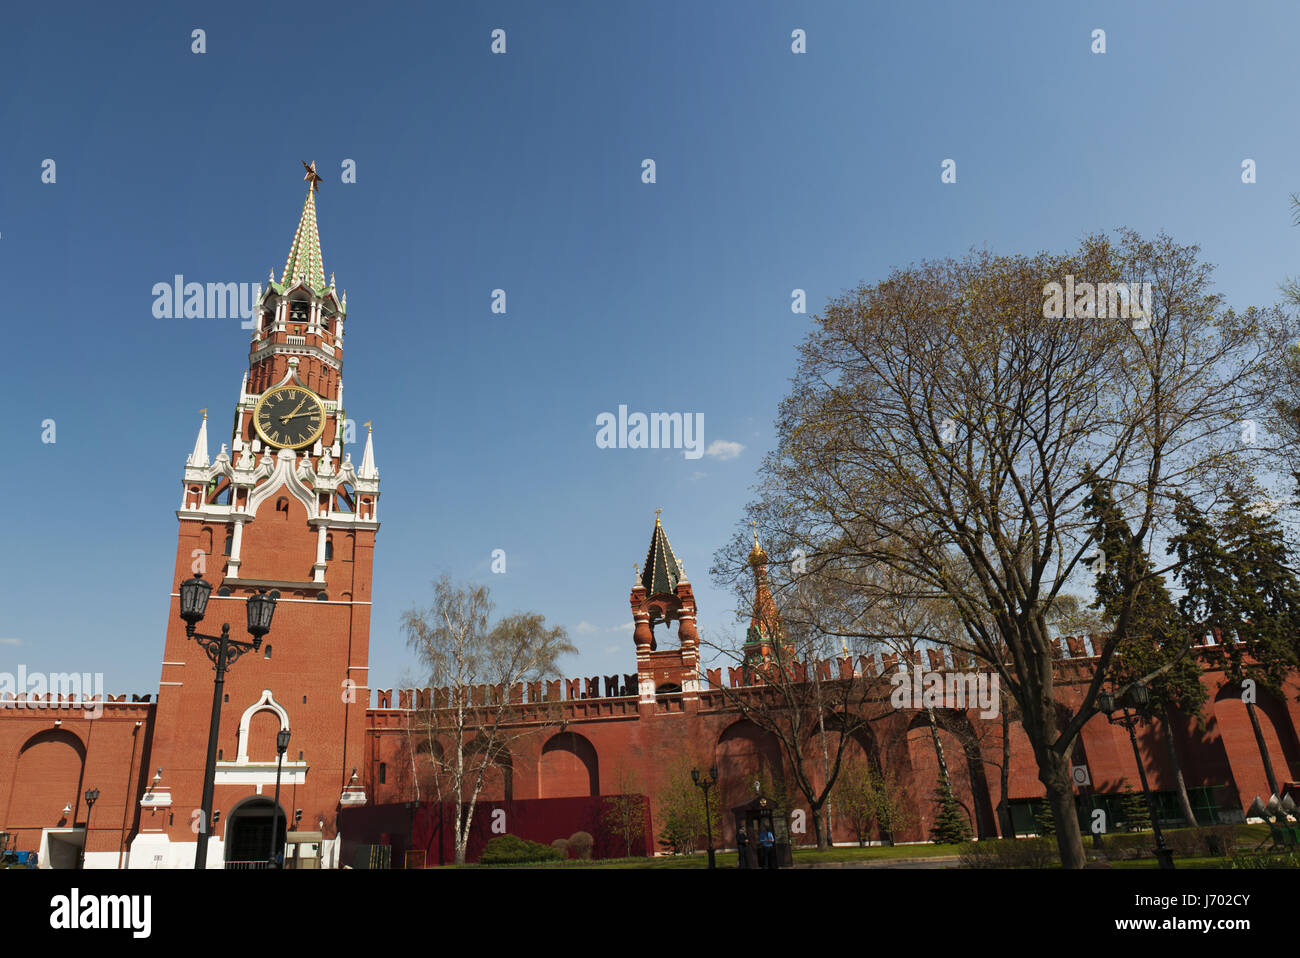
(287, 511)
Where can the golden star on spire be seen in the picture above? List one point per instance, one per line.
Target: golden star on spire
(311, 176)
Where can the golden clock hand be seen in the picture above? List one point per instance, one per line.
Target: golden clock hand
(294, 413)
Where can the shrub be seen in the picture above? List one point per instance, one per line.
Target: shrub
(1009, 853)
(511, 850)
(1128, 846)
(562, 846)
(1284, 860)
(581, 843)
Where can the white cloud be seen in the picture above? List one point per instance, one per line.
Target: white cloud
(11, 641)
(625, 627)
(585, 628)
(724, 449)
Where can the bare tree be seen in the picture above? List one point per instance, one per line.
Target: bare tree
(947, 423)
(801, 685)
(474, 670)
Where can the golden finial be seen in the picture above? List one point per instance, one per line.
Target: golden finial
(311, 176)
(204, 410)
(657, 511)
(757, 556)
(369, 428)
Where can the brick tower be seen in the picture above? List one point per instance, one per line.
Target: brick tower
(287, 511)
(662, 594)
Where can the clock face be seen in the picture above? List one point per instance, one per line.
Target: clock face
(289, 417)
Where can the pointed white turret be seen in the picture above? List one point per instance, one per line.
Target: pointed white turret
(368, 470)
(199, 457)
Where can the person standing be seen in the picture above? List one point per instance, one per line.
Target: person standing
(766, 841)
(742, 846)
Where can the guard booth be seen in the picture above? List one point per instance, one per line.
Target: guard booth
(302, 850)
(756, 815)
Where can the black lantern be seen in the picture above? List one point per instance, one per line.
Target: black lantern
(261, 607)
(281, 743)
(91, 796)
(194, 600)
(1138, 697)
(224, 652)
(704, 786)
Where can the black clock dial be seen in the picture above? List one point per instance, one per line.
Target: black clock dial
(289, 417)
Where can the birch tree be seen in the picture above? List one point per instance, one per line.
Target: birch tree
(473, 669)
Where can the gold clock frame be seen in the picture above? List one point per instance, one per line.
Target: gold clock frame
(272, 393)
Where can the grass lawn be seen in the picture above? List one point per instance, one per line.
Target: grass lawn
(727, 859)
(852, 853)
(1247, 836)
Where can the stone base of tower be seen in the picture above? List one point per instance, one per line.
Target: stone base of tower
(153, 850)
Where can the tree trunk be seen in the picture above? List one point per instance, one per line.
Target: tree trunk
(1180, 784)
(938, 748)
(816, 816)
(1263, 749)
(1004, 776)
(1054, 773)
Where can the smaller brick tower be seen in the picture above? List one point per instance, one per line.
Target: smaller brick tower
(765, 622)
(662, 594)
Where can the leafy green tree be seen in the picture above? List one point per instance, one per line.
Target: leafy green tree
(951, 826)
(854, 797)
(1240, 586)
(680, 806)
(1044, 821)
(942, 422)
(624, 813)
(1132, 809)
(1156, 648)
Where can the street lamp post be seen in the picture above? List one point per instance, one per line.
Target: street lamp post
(91, 796)
(704, 786)
(1138, 697)
(281, 743)
(224, 652)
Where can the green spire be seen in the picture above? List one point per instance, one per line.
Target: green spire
(662, 571)
(304, 254)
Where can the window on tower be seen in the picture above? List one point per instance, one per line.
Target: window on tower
(329, 548)
(230, 542)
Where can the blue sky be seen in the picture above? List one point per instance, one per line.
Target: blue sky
(522, 171)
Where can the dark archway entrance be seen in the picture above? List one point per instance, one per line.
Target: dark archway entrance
(248, 834)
